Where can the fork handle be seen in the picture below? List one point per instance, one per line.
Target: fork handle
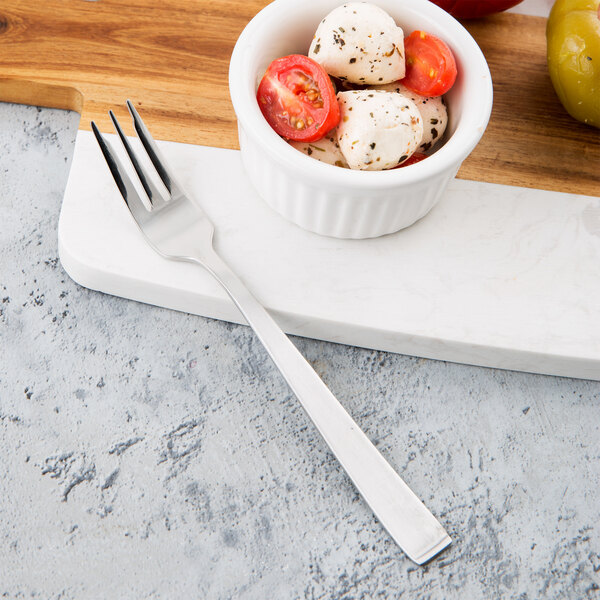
(398, 509)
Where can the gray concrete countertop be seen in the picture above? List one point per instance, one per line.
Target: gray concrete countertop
(152, 454)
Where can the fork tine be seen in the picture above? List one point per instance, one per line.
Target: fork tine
(154, 196)
(153, 152)
(126, 187)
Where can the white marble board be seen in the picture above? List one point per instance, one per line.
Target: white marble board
(495, 275)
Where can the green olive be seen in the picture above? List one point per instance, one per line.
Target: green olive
(573, 38)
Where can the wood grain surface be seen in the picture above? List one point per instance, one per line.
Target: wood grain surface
(171, 58)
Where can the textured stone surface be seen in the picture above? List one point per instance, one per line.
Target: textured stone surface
(151, 454)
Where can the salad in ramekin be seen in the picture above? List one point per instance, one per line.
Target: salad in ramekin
(352, 202)
(365, 97)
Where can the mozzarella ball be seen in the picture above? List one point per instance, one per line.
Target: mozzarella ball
(326, 150)
(360, 43)
(433, 113)
(378, 130)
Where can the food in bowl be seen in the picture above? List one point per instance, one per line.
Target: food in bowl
(432, 109)
(326, 150)
(430, 64)
(359, 42)
(348, 203)
(390, 105)
(378, 130)
(297, 99)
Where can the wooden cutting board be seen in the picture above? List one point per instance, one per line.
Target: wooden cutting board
(171, 58)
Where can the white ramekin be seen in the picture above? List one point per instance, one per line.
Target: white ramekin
(340, 202)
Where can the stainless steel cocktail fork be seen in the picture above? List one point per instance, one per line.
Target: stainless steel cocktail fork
(178, 229)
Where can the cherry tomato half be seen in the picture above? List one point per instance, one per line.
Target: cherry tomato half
(473, 9)
(430, 64)
(297, 99)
